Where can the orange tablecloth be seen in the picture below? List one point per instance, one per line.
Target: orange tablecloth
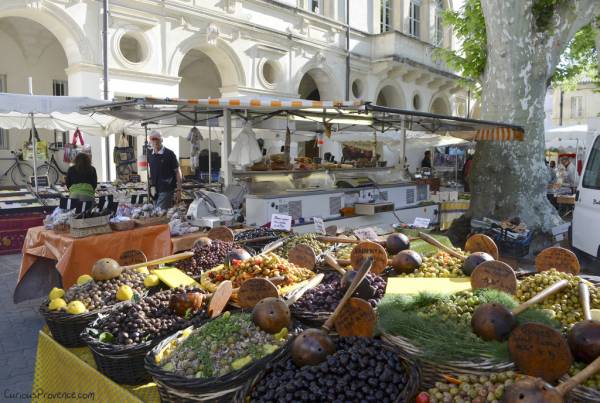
(76, 256)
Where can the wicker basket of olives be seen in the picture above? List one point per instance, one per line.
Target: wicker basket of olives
(121, 338)
(360, 369)
(68, 313)
(215, 361)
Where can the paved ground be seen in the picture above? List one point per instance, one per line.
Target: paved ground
(19, 326)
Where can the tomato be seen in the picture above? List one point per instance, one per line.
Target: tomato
(422, 397)
(236, 262)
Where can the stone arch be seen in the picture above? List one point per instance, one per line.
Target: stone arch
(222, 55)
(440, 105)
(78, 49)
(323, 78)
(390, 94)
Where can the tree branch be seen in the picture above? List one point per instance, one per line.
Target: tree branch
(570, 17)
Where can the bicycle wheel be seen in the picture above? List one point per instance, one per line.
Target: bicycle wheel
(20, 173)
(50, 171)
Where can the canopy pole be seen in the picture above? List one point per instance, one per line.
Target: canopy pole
(403, 156)
(105, 77)
(209, 152)
(147, 163)
(226, 148)
(33, 139)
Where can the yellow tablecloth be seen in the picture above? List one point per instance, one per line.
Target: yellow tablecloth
(69, 374)
(415, 285)
(450, 211)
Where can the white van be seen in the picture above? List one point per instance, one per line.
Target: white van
(585, 230)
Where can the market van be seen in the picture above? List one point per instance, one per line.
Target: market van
(585, 234)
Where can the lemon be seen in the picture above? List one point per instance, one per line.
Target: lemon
(151, 281)
(143, 270)
(56, 304)
(76, 307)
(56, 293)
(124, 293)
(86, 278)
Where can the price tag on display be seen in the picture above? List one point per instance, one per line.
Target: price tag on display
(319, 225)
(282, 222)
(421, 222)
(366, 234)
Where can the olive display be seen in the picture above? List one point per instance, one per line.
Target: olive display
(99, 294)
(344, 252)
(325, 296)
(305, 239)
(473, 388)
(564, 306)
(459, 306)
(592, 382)
(133, 323)
(360, 370)
(259, 233)
(439, 265)
(220, 346)
(205, 257)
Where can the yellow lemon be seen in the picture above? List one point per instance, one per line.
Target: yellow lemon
(86, 278)
(143, 270)
(56, 293)
(151, 281)
(76, 307)
(56, 304)
(124, 293)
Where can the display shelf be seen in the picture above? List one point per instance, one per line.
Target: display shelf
(309, 171)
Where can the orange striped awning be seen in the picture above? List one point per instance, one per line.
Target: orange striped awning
(499, 134)
(258, 103)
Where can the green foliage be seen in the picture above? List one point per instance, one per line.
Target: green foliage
(579, 60)
(543, 10)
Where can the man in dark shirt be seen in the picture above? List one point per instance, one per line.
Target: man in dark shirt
(165, 175)
(426, 162)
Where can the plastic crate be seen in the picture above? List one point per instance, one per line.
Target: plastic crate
(511, 247)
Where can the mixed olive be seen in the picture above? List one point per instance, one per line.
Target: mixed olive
(206, 256)
(305, 239)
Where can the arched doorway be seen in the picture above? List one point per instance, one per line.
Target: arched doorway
(391, 97)
(440, 106)
(200, 77)
(317, 85)
(30, 50)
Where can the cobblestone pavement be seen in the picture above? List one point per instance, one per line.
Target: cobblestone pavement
(19, 326)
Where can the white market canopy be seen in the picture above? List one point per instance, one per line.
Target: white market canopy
(577, 136)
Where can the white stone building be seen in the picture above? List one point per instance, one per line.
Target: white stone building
(222, 48)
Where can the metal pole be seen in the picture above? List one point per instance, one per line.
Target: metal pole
(347, 50)
(209, 152)
(33, 140)
(226, 149)
(105, 75)
(147, 162)
(403, 157)
(560, 116)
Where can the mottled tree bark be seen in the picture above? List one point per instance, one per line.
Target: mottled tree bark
(509, 179)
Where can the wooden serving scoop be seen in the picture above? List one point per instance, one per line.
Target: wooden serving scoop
(132, 256)
(333, 239)
(495, 322)
(159, 261)
(434, 242)
(536, 390)
(482, 243)
(312, 346)
(584, 336)
(222, 234)
(364, 290)
(366, 249)
(302, 256)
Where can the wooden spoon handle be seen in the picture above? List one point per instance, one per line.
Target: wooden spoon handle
(271, 247)
(313, 282)
(362, 273)
(580, 377)
(545, 293)
(584, 300)
(162, 260)
(259, 239)
(334, 239)
(330, 260)
(432, 241)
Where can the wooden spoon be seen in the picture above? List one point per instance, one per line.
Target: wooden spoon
(536, 390)
(312, 346)
(495, 322)
(363, 291)
(434, 242)
(584, 337)
(159, 261)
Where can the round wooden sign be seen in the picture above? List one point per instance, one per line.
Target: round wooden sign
(557, 258)
(365, 249)
(482, 243)
(254, 289)
(538, 350)
(303, 256)
(132, 256)
(220, 298)
(494, 274)
(331, 230)
(221, 233)
(201, 242)
(357, 318)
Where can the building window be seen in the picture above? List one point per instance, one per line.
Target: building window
(315, 6)
(439, 28)
(576, 107)
(414, 19)
(59, 88)
(384, 18)
(4, 145)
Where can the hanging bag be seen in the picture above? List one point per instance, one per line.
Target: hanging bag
(41, 146)
(72, 149)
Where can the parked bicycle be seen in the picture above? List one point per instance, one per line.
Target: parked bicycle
(20, 172)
